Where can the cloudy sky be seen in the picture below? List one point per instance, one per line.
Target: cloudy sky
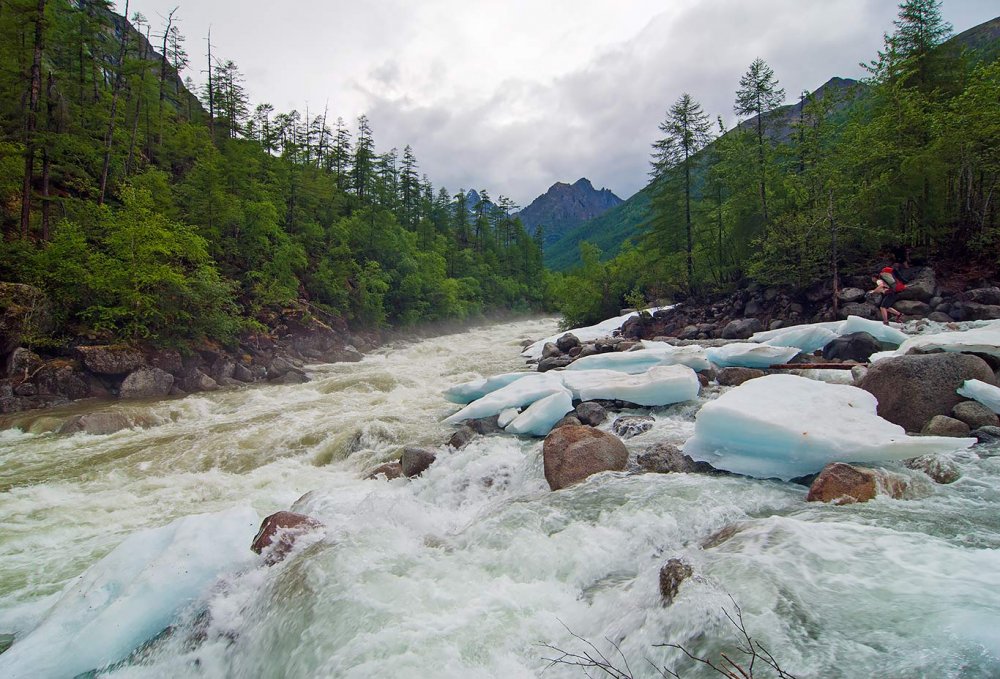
(513, 95)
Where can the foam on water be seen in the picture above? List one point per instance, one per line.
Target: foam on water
(465, 570)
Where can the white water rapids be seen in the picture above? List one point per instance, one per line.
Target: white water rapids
(468, 570)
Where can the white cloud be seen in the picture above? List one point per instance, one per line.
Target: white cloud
(513, 95)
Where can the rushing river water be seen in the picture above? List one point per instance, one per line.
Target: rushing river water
(470, 569)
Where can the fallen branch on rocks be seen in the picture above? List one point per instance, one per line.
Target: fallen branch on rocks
(815, 366)
(591, 658)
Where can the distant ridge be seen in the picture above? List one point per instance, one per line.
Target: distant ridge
(565, 206)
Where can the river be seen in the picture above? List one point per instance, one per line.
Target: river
(471, 569)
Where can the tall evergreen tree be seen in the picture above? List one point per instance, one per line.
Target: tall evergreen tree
(757, 96)
(687, 130)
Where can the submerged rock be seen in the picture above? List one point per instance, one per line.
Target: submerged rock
(987, 434)
(629, 426)
(665, 458)
(939, 468)
(573, 453)
(391, 470)
(841, 483)
(278, 534)
(672, 574)
(96, 423)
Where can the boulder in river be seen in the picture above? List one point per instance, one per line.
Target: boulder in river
(974, 414)
(416, 460)
(987, 434)
(567, 342)
(734, 376)
(278, 534)
(666, 458)
(939, 467)
(96, 423)
(855, 346)
(462, 436)
(942, 425)
(591, 413)
(628, 426)
(841, 483)
(672, 574)
(573, 453)
(914, 388)
(742, 328)
(391, 470)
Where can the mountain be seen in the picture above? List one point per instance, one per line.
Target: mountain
(626, 221)
(565, 206)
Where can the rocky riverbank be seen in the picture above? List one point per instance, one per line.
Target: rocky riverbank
(33, 378)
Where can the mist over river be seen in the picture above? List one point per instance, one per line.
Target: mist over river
(469, 569)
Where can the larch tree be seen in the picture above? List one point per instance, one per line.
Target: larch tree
(757, 96)
(687, 130)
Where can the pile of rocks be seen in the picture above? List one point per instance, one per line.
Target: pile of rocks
(33, 379)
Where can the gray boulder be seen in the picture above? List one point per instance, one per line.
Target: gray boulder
(665, 458)
(571, 454)
(856, 346)
(990, 296)
(914, 388)
(553, 362)
(97, 424)
(114, 359)
(862, 309)
(850, 295)
(550, 350)
(942, 425)
(591, 413)
(146, 383)
(567, 342)
(938, 467)
(415, 460)
(912, 307)
(921, 285)
(974, 414)
(987, 434)
(742, 328)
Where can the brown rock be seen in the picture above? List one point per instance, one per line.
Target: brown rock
(568, 420)
(974, 414)
(391, 470)
(842, 483)
(733, 377)
(279, 532)
(914, 388)
(672, 574)
(573, 453)
(462, 437)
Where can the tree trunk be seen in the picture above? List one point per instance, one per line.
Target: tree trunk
(116, 88)
(31, 119)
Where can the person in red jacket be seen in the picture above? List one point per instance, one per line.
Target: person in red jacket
(889, 283)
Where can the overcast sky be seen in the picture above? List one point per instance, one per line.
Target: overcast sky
(513, 95)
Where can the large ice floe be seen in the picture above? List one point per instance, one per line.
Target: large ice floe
(132, 594)
(587, 334)
(986, 394)
(812, 336)
(657, 386)
(640, 360)
(750, 355)
(980, 340)
(785, 426)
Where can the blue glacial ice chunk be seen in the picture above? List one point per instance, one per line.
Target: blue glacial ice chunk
(784, 426)
(982, 340)
(539, 418)
(467, 392)
(805, 338)
(978, 390)
(768, 335)
(517, 394)
(132, 594)
(641, 360)
(889, 334)
(750, 355)
(658, 386)
(507, 416)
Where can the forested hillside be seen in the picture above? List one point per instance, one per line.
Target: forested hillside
(907, 162)
(145, 212)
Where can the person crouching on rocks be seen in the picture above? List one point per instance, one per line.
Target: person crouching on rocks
(888, 284)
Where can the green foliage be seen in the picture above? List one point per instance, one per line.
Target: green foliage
(207, 222)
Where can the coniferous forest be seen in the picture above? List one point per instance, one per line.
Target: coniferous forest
(906, 161)
(147, 210)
